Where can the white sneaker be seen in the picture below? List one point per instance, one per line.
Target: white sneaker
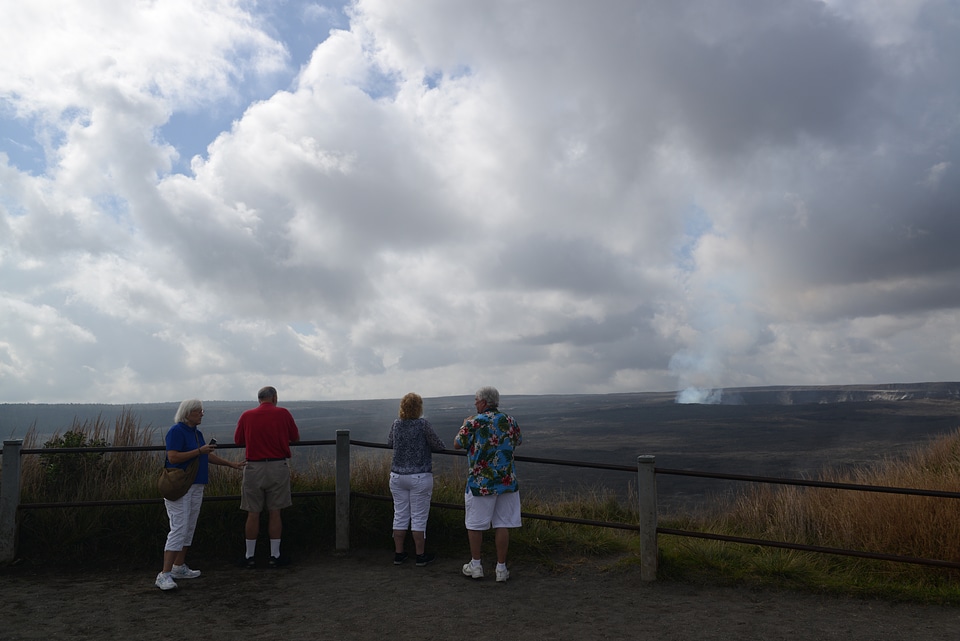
(503, 575)
(184, 572)
(472, 571)
(165, 581)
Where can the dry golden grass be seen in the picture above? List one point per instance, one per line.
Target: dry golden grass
(917, 526)
(91, 477)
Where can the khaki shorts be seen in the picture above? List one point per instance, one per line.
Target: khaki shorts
(266, 486)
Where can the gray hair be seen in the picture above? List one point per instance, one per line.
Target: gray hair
(186, 407)
(490, 395)
(266, 393)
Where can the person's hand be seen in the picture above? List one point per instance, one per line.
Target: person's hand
(239, 466)
(206, 449)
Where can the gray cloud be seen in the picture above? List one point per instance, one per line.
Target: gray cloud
(553, 198)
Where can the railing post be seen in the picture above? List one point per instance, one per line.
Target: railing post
(647, 494)
(9, 500)
(343, 491)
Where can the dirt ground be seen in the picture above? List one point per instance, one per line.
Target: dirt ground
(362, 595)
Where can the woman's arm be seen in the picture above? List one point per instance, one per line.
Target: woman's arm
(433, 440)
(219, 460)
(176, 456)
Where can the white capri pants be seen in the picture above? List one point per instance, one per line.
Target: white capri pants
(411, 500)
(183, 515)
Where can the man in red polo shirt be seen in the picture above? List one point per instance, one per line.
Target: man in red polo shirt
(266, 432)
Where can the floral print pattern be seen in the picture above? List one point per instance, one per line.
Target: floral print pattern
(489, 439)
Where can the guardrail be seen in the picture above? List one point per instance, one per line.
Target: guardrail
(647, 526)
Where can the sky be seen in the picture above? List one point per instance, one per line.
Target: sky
(358, 200)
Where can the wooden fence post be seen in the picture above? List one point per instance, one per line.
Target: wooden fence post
(343, 491)
(647, 494)
(9, 500)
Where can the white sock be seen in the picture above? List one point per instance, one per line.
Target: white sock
(275, 548)
(251, 547)
(475, 562)
(501, 566)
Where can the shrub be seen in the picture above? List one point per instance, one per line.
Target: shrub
(71, 469)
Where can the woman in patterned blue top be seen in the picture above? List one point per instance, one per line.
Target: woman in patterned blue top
(411, 476)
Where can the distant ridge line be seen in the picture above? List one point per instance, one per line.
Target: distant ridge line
(822, 394)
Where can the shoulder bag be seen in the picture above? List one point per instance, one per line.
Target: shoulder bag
(174, 482)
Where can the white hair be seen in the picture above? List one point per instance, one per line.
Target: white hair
(186, 407)
(490, 395)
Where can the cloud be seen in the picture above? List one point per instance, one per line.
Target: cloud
(360, 201)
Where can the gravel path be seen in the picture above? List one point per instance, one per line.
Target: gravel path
(362, 595)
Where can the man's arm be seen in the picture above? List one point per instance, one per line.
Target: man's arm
(293, 431)
(462, 440)
(239, 435)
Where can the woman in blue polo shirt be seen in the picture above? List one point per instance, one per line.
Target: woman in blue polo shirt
(184, 443)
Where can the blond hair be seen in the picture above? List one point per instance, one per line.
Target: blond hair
(411, 406)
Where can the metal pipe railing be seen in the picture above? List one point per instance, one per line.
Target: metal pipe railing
(646, 471)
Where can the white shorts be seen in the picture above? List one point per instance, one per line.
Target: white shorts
(496, 510)
(183, 514)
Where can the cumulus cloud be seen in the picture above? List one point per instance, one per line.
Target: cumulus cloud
(437, 195)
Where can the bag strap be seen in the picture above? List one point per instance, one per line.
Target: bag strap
(194, 463)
